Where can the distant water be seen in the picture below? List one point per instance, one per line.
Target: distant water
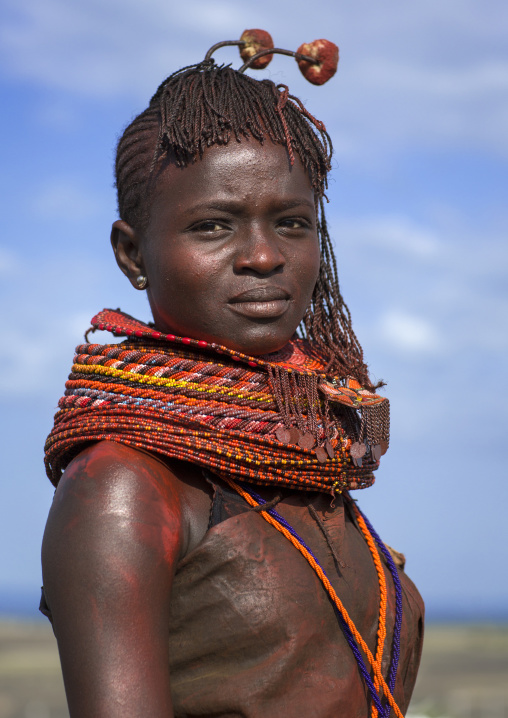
(21, 604)
(467, 611)
(24, 604)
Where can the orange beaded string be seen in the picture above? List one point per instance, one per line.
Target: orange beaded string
(375, 663)
(383, 598)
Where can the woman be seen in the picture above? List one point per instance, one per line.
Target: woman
(202, 555)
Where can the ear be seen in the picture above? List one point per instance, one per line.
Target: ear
(126, 246)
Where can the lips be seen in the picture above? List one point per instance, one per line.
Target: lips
(261, 302)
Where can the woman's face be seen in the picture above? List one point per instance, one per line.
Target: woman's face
(231, 250)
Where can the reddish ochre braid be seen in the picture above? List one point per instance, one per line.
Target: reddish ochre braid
(275, 420)
(204, 105)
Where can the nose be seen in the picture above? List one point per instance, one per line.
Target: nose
(259, 252)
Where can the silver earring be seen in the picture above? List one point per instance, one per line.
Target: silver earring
(142, 281)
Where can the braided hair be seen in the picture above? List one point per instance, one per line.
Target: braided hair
(206, 104)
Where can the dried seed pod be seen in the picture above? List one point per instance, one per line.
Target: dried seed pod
(255, 41)
(326, 54)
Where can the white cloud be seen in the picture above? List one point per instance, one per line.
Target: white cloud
(408, 333)
(24, 361)
(46, 314)
(110, 48)
(396, 103)
(37, 362)
(429, 73)
(397, 234)
(439, 291)
(219, 17)
(465, 82)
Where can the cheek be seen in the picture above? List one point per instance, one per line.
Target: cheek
(309, 268)
(187, 289)
(177, 270)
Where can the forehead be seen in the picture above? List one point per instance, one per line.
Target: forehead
(246, 170)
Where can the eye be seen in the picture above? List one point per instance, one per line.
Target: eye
(294, 223)
(208, 226)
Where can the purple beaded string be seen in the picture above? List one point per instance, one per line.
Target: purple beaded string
(392, 675)
(349, 636)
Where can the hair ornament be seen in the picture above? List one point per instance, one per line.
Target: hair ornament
(256, 41)
(208, 104)
(251, 43)
(325, 55)
(317, 60)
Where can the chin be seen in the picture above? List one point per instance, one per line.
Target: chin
(258, 346)
(258, 339)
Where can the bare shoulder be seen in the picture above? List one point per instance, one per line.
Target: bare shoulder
(109, 479)
(117, 528)
(112, 483)
(111, 492)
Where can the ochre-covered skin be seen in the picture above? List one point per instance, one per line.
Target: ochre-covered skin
(156, 614)
(119, 524)
(240, 220)
(251, 630)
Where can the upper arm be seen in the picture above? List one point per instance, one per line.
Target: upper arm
(113, 538)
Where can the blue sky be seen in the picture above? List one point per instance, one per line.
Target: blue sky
(418, 113)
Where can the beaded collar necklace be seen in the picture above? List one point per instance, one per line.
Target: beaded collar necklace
(273, 420)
